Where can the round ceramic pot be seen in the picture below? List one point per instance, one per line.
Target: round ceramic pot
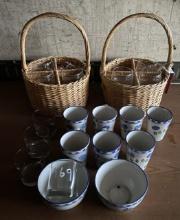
(121, 185)
(64, 202)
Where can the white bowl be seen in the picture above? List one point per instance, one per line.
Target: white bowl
(121, 184)
(81, 186)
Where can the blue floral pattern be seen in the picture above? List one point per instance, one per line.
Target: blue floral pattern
(155, 127)
(82, 157)
(139, 157)
(128, 126)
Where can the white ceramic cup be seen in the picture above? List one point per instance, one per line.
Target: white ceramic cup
(75, 145)
(140, 146)
(76, 118)
(158, 121)
(131, 118)
(104, 118)
(106, 146)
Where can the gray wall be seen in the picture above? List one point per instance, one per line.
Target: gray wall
(139, 38)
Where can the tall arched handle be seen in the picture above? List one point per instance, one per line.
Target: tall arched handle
(28, 25)
(139, 15)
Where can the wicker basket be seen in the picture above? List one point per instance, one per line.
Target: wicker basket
(54, 98)
(117, 94)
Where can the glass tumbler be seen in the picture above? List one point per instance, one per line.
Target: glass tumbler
(36, 147)
(28, 168)
(45, 126)
(123, 75)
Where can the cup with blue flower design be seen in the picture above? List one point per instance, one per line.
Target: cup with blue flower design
(104, 118)
(140, 146)
(75, 145)
(158, 121)
(106, 145)
(76, 118)
(131, 118)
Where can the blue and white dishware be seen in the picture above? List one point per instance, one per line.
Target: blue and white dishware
(62, 201)
(104, 118)
(75, 145)
(131, 118)
(140, 146)
(158, 121)
(121, 185)
(106, 146)
(76, 118)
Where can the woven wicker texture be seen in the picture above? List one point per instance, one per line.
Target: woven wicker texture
(117, 94)
(55, 97)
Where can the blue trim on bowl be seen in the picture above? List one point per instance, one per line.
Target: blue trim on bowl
(131, 203)
(74, 199)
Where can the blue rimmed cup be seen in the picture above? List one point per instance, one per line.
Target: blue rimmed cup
(131, 118)
(104, 118)
(140, 146)
(76, 118)
(106, 145)
(75, 145)
(158, 121)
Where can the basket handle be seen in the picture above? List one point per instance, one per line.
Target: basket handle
(139, 15)
(72, 20)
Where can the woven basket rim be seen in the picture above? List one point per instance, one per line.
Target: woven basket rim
(87, 73)
(50, 57)
(107, 67)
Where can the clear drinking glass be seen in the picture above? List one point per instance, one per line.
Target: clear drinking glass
(45, 126)
(66, 76)
(68, 72)
(28, 168)
(149, 73)
(69, 76)
(48, 65)
(49, 78)
(36, 147)
(123, 75)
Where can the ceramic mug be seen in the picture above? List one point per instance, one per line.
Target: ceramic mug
(131, 118)
(75, 145)
(158, 121)
(140, 146)
(106, 146)
(76, 118)
(104, 118)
